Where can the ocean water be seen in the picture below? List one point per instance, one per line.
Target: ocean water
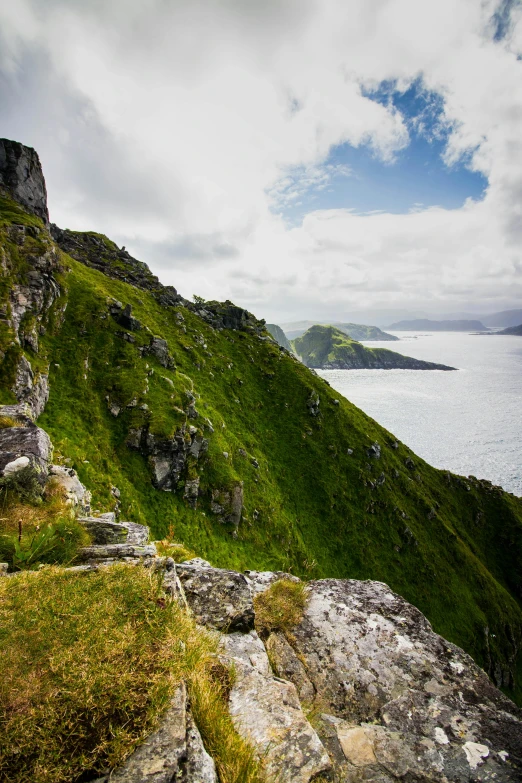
(469, 422)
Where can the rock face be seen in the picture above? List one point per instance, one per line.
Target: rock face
(398, 701)
(75, 492)
(267, 710)
(218, 598)
(168, 458)
(279, 336)
(173, 752)
(23, 448)
(22, 178)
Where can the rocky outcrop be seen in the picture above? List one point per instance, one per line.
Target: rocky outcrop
(25, 448)
(21, 177)
(168, 458)
(279, 336)
(113, 540)
(267, 711)
(75, 493)
(218, 598)
(98, 252)
(227, 315)
(398, 701)
(174, 752)
(227, 504)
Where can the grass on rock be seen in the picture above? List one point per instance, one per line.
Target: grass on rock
(88, 664)
(281, 607)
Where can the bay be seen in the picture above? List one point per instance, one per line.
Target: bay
(469, 422)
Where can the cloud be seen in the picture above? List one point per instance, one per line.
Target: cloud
(182, 129)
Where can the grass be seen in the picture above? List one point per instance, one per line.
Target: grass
(8, 421)
(89, 662)
(44, 532)
(310, 508)
(280, 608)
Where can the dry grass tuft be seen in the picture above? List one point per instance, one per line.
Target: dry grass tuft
(89, 662)
(178, 552)
(281, 607)
(9, 421)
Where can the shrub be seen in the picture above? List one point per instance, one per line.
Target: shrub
(280, 607)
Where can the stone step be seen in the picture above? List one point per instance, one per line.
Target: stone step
(115, 552)
(106, 531)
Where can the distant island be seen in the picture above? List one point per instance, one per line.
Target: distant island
(516, 330)
(328, 348)
(437, 326)
(355, 331)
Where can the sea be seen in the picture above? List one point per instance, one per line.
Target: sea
(468, 422)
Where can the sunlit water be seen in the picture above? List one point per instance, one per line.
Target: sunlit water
(469, 421)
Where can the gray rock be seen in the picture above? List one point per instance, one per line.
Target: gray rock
(3, 569)
(266, 711)
(22, 178)
(104, 531)
(260, 581)
(168, 458)
(313, 403)
(191, 491)
(374, 451)
(199, 766)
(160, 350)
(137, 534)
(228, 504)
(161, 757)
(115, 552)
(126, 319)
(30, 389)
(218, 598)
(287, 665)
(410, 705)
(75, 492)
(32, 444)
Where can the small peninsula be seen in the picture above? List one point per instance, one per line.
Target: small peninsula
(327, 348)
(515, 330)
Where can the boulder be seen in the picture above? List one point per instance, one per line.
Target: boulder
(260, 581)
(267, 712)
(400, 702)
(160, 350)
(30, 389)
(75, 492)
(21, 447)
(218, 598)
(160, 758)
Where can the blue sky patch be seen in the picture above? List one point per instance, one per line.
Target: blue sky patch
(354, 178)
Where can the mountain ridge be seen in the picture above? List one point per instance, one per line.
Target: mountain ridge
(189, 417)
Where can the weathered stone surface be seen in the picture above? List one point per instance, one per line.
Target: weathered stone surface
(266, 710)
(104, 532)
(116, 551)
(287, 665)
(3, 569)
(374, 659)
(160, 350)
(261, 580)
(31, 443)
(22, 178)
(136, 534)
(75, 492)
(30, 389)
(227, 504)
(218, 598)
(199, 766)
(160, 759)
(167, 458)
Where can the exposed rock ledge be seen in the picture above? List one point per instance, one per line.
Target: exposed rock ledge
(393, 700)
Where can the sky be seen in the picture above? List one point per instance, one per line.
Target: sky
(303, 158)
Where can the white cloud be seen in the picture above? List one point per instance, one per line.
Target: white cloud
(175, 127)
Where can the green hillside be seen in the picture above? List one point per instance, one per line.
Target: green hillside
(328, 348)
(326, 491)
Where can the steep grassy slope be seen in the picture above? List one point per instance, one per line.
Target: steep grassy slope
(279, 336)
(315, 501)
(328, 348)
(355, 331)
